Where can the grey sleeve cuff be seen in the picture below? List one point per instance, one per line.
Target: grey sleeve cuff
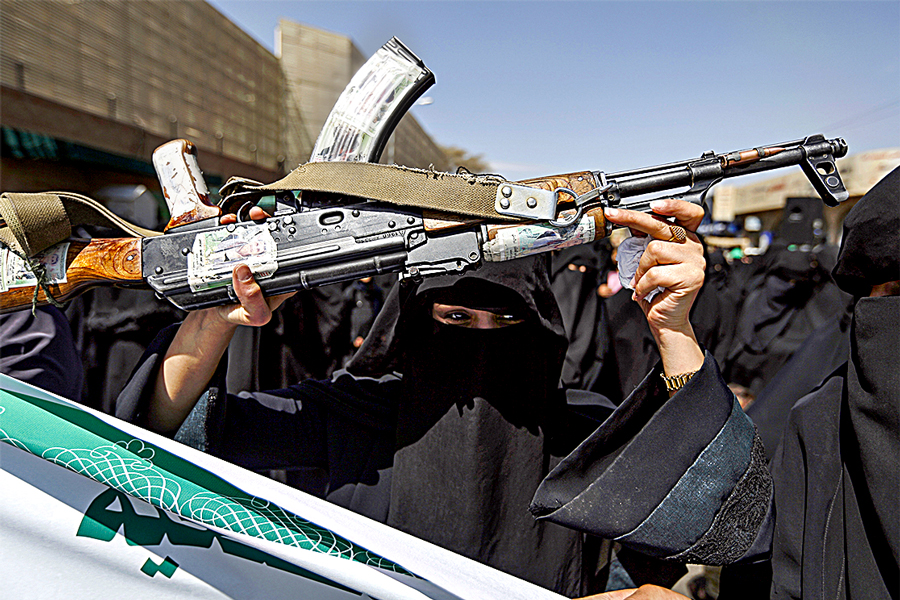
(682, 478)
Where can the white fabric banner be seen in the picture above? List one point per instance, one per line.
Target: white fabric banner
(93, 507)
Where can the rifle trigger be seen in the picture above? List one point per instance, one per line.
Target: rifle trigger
(243, 213)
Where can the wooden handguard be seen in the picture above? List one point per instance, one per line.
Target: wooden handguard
(580, 183)
(102, 261)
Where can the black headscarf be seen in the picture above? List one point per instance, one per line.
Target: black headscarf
(794, 297)
(836, 475)
(871, 238)
(394, 332)
(480, 420)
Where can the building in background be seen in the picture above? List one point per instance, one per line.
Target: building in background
(317, 66)
(90, 89)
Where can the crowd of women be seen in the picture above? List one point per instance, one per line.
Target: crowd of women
(553, 418)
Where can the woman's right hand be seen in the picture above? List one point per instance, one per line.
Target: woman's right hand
(254, 309)
(200, 343)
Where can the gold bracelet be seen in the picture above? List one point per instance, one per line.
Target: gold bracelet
(676, 382)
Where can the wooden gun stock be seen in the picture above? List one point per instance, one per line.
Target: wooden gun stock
(580, 182)
(102, 261)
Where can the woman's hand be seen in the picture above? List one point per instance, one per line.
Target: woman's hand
(677, 266)
(254, 309)
(674, 261)
(201, 341)
(645, 592)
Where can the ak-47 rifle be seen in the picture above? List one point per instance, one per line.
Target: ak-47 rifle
(340, 221)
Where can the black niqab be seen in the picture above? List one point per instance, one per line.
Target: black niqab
(837, 483)
(480, 419)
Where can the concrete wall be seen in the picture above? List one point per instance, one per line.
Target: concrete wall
(317, 66)
(174, 69)
(125, 76)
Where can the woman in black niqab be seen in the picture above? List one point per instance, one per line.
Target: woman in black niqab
(480, 419)
(450, 451)
(837, 480)
(795, 296)
(575, 274)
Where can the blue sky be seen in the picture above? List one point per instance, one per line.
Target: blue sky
(552, 87)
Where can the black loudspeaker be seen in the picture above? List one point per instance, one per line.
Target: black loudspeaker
(803, 222)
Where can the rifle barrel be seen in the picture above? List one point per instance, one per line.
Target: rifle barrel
(714, 167)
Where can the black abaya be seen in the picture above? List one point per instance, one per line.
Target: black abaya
(836, 476)
(833, 530)
(452, 452)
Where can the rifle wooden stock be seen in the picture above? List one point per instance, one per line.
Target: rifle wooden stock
(102, 261)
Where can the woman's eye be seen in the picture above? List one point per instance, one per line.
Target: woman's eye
(452, 315)
(478, 319)
(507, 320)
(458, 316)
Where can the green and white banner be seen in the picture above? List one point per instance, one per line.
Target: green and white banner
(93, 507)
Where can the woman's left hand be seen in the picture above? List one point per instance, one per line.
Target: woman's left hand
(674, 261)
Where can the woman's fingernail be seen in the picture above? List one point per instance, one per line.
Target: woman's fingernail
(611, 212)
(654, 204)
(244, 273)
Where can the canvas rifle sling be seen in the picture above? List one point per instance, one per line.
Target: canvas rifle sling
(32, 222)
(462, 194)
